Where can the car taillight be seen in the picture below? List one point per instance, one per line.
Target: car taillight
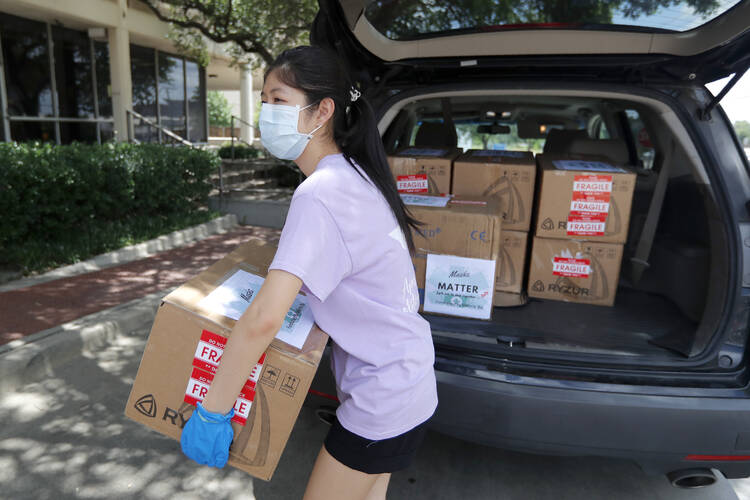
(718, 458)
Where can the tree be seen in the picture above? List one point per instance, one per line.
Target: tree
(260, 27)
(409, 18)
(219, 112)
(742, 128)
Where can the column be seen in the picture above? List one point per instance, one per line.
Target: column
(246, 103)
(119, 70)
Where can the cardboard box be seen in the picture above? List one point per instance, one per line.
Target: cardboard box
(423, 170)
(508, 175)
(583, 198)
(512, 261)
(505, 299)
(574, 271)
(185, 343)
(462, 226)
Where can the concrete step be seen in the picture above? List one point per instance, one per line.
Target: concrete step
(237, 177)
(257, 164)
(251, 185)
(258, 207)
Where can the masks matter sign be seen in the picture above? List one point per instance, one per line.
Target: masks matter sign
(459, 286)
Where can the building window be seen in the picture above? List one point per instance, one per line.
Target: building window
(143, 76)
(49, 82)
(55, 86)
(103, 81)
(172, 94)
(195, 82)
(27, 70)
(165, 87)
(73, 77)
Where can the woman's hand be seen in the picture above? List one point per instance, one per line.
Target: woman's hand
(207, 436)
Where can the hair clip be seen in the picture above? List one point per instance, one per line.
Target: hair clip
(354, 94)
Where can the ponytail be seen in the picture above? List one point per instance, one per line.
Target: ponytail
(319, 73)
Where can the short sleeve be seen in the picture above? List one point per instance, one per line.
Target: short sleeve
(312, 248)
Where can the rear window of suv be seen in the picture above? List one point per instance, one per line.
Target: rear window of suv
(414, 19)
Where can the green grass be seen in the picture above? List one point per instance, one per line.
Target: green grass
(40, 255)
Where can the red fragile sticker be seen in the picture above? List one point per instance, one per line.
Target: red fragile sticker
(197, 389)
(592, 184)
(209, 351)
(571, 268)
(586, 226)
(589, 205)
(416, 183)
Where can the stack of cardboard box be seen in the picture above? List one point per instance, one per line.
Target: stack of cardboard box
(423, 170)
(582, 216)
(508, 176)
(456, 252)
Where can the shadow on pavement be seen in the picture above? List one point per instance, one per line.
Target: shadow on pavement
(66, 437)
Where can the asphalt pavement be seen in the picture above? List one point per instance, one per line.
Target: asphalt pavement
(65, 437)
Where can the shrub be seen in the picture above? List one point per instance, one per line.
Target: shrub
(58, 196)
(241, 152)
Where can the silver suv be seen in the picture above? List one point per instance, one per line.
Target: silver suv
(662, 377)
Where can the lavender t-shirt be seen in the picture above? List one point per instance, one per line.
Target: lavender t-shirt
(343, 241)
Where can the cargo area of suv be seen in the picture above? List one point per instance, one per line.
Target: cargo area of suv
(667, 313)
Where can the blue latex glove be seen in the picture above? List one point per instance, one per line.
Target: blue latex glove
(207, 436)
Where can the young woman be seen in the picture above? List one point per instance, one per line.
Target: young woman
(346, 244)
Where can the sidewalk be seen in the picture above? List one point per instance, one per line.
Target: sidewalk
(46, 305)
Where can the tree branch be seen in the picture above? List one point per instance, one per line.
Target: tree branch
(246, 41)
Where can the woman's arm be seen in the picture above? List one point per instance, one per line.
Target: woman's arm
(250, 338)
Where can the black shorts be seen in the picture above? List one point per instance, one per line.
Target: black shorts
(374, 457)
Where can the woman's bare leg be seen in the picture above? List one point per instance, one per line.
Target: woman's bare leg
(378, 490)
(332, 480)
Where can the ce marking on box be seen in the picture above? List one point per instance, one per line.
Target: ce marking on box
(270, 376)
(289, 385)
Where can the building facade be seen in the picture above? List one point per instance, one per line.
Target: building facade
(71, 70)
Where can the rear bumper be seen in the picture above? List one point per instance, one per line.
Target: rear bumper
(657, 432)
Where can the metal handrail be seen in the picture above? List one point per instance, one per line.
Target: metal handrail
(131, 131)
(21, 118)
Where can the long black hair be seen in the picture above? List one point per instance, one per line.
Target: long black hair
(319, 73)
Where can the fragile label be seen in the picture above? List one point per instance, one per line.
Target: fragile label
(571, 268)
(412, 183)
(589, 205)
(586, 227)
(592, 184)
(209, 351)
(197, 389)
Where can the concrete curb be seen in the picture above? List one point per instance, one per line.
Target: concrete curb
(38, 355)
(130, 253)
